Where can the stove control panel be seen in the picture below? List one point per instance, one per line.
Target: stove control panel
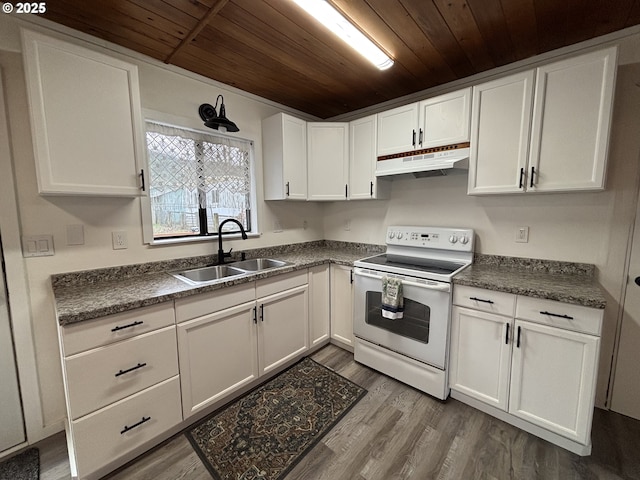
(458, 239)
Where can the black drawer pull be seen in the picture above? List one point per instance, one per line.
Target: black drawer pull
(126, 428)
(128, 370)
(556, 315)
(481, 300)
(506, 337)
(518, 339)
(262, 312)
(118, 328)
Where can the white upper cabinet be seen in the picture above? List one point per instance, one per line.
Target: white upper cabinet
(562, 146)
(363, 183)
(85, 117)
(398, 130)
(435, 122)
(445, 120)
(284, 152)
(571, 122)
(500, 128)
(328, 160)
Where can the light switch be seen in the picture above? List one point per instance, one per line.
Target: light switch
(37, 246)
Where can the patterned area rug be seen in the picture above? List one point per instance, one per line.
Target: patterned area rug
(262, 435)
(25, 466)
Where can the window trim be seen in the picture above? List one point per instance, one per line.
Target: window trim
(145, 203)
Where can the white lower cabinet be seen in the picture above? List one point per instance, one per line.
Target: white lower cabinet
(537, 364)
(218, 355)
(319, 305)
(342, 305)
(223, 347)
(122, 386)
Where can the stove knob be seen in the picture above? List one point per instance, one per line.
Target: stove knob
(453, 239)
(392, 234)
(464, 240)
(399, 235)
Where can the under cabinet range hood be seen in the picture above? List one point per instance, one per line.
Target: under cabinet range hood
(425, 162)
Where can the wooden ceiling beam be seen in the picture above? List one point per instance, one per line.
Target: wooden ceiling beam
(204, 21)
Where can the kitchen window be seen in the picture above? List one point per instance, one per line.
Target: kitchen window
(196, 180)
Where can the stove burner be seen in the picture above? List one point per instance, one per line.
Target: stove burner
(440, 267)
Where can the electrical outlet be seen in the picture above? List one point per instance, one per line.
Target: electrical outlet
(119, 240)
(522, 235)
(305, 224)
(277, 226)
(347, 225)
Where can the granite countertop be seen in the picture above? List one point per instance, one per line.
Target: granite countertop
(561, 281)
(91, 294)
(86, 295)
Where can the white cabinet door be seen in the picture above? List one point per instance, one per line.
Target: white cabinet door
(284, 152)
(363, 183)
(85, 117)
(328, 160)
(445, 119)
(283, 327)
(397, 130)
(553, 379)
(571, 121)
(500, 126)
(342, 304)
(218, 354)
(319, 305)
(480, 356)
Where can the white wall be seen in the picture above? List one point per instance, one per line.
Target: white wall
(163, 90)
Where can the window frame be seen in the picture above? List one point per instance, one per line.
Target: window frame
(145, 204)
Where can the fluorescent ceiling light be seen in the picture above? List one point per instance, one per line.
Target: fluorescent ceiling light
(326, 14)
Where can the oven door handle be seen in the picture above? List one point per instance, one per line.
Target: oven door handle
(444, 287)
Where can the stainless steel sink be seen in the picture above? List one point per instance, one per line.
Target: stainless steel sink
(198, 276)
(257, 264)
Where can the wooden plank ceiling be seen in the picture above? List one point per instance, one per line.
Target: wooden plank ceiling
(274, 49)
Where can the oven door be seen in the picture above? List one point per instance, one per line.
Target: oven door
(423, 331)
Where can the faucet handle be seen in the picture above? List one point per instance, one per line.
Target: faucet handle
(228, 254)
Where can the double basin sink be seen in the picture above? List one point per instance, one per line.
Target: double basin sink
(204, 275)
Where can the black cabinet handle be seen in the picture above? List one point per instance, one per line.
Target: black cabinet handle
(420, 138)
(481, 300)
(262, 312)
(126, 428)
(556, 315)
(350, 276)
(533, 172)
(637, 280)
(518, 340)
(413, 140)
(371, 192)
(506, 337)
(287, 187)
(142, 187)
(128, 370)
(118, 328)
(521, 177)
(255, 315)
(346, 190)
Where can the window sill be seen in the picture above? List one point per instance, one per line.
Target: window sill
(213, 238)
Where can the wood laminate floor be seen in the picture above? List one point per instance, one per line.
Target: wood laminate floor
(396, 432)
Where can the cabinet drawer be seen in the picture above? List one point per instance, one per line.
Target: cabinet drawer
(83, 336)
(485, 300)
(279, 283)
(562, 315)
(102, 376)
(211, 302)
(100, 438)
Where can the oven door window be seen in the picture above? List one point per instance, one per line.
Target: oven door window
(414, 324)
